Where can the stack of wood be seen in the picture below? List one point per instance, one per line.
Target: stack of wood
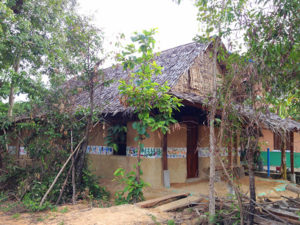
(284, 211)
(287, 210)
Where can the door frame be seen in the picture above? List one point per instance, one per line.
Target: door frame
(192, 155)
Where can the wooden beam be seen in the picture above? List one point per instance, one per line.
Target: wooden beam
(179, 203)
(153, 202)
(165, 152)
(285, 215)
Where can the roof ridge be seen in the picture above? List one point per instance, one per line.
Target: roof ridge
(193, 42)
(160, 52)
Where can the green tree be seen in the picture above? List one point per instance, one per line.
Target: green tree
(30, 36)
(274, 45)
(149, 100)
(61, 45)
(217, 18)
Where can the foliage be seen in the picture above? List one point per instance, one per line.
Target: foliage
(45, 39)
(115, 134)
(286, 106)
(31, 34)
(34, 206)
(90, 182)
(150, 100)
(133, 190)
(273, 40)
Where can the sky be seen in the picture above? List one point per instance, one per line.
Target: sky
(176, 24)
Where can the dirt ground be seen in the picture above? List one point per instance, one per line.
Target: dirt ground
(83, 214)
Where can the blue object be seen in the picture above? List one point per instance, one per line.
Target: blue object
(268, 161)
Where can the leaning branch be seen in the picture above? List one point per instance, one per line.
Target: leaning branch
(61, 170)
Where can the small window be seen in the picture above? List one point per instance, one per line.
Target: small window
(116, 138)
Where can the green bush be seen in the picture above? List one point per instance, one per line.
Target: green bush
(90, 182)
(34, 205)
(133, 190)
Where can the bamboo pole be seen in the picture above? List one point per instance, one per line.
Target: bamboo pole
(61, 170)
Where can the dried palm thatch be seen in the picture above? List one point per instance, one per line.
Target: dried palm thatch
(175, 63)
(268, 120)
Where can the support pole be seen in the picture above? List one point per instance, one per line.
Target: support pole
(166, 173)
(268, 161)
(293, 175)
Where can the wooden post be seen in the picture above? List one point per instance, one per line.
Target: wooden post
(166, 174)
(292, 152)
(165, 152)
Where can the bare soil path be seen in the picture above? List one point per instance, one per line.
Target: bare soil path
(83, 214)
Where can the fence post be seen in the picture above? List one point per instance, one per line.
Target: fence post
(268, 161)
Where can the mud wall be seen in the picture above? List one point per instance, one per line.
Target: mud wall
(105, 165)
(97, 135)
(155, 140)
(203, 152)
(177, 166)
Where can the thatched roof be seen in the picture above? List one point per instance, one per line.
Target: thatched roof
(175, 62)
(268, 120)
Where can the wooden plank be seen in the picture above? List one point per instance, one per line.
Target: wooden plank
(293, 188)
(263, 221)
(179, 203)
(284, 214)
(152, 202)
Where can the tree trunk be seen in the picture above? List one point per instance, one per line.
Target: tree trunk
(251, 185)
(251, 147)
(283, 156)
(212, 138)
(82, 153)
(11, 98)
(73, 172)
(138, 167)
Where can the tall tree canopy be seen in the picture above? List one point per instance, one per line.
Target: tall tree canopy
(32, 36)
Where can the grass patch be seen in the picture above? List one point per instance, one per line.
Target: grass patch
(64, 210)
(16, 216)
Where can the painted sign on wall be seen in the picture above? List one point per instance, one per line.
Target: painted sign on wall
(152, 152)
(146, 152)
(99, 150)
(12, 150)
(176, 153)
(23, 150)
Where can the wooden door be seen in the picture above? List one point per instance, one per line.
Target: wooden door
(192, 153)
